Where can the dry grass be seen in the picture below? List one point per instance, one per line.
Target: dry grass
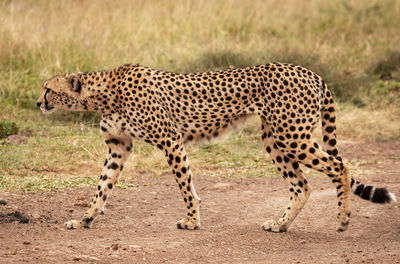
(350, 43)
(339, 39)
(369, 125)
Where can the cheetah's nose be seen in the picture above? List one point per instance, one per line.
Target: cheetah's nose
(38, 104)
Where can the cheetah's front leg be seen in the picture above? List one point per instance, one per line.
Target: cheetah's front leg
(179, 163)
(119, 150)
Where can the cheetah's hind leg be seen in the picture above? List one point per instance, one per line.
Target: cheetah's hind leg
(299, 188)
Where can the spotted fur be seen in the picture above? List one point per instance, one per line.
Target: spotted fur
(168, 109)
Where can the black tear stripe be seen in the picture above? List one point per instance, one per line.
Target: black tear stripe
(78, 87)
(46, 103)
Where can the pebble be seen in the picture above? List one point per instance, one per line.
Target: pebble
(82, 204)
(35, 215)
(85, 258)
(134, 246)
(114, 246)
(223, 186)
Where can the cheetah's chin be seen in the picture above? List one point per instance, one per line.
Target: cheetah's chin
(48, 109)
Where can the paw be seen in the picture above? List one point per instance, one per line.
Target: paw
(73, 224)
(274, 226)
(343, 226)
(343, 223)
(187, 223)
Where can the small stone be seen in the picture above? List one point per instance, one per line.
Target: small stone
(35, 215)
(114, 246)
(82, 204)
(135, 246)
(223, 186)
(3, 202)
(26, 243)
(80, 198)
(90, 258)
(86, 258)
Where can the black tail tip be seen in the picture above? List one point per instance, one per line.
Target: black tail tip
(381, 195)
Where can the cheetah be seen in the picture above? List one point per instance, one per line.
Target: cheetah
(169, 109)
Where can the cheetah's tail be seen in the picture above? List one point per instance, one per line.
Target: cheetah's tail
(374, 194)
(367, 192)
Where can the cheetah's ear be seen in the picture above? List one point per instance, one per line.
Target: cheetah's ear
(76, 84)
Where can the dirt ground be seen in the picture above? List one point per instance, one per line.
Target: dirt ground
(139, 223)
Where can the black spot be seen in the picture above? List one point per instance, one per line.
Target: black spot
(88, 220)
(329, 129)
(302, 156)
(110, 186)
(280, 144)
(113, 166)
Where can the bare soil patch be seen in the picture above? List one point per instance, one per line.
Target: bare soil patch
(139, 223)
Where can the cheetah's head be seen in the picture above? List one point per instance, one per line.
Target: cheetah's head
(62, 91)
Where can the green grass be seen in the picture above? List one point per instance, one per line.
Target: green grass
(352, 44)
(68, 155)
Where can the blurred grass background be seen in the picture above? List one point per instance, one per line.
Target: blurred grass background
(353, 45)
